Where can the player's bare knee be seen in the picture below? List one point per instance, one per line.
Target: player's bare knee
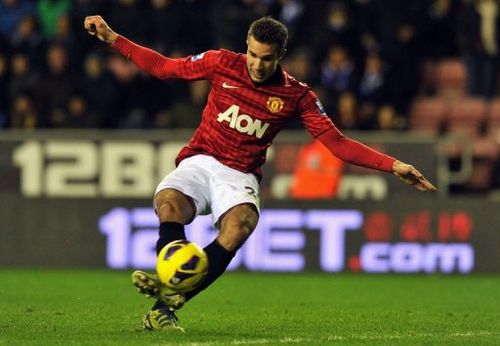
(172, 206)
(168, 211)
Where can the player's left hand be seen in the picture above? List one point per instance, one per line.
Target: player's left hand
(410, 175)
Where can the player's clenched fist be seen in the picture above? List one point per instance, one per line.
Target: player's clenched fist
(95, 25)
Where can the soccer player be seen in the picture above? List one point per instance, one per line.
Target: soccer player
(218, 172)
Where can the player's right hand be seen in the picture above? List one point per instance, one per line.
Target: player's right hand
(95, 25)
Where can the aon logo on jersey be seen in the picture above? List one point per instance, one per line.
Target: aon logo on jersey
(243, 122)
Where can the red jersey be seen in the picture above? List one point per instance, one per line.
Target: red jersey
(242, 118)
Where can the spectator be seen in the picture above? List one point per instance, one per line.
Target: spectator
(23, 113)
(27, 38)
(291, 13)
(315, 163)
(396, 28)
(77, 114)
(439, 31)
(387, 119)
(164, 119)
(337, 28)
(479, 42)
(48, 13)
(64, 36)
(185, 111)
(127, 110)
(373, 81)
(11, 14)
(98, 87)
(337, 72)
(23, 78)
(347, 112)
(299, 65)
(366, 18)
(372, 89)
(56, 86)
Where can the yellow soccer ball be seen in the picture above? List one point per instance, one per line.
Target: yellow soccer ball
(181, 265)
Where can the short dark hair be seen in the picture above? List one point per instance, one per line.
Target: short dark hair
(270, 31)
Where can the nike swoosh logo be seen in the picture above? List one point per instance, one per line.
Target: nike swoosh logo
(227, 86)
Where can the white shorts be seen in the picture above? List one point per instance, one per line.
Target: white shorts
(214, 187)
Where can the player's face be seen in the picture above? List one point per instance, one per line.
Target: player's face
(262, 59)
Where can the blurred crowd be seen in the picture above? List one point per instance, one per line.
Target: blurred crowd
(364, 58)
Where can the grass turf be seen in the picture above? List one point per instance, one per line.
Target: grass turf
(97, 307)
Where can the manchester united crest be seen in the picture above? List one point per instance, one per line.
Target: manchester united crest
(275, 104)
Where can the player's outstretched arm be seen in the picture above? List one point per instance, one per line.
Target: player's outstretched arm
(359, 154)
(410, 175)
(95, 25)
(147, 59)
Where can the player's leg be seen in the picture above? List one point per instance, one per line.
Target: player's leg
(236, 225)
(179, 197)
(235, 203)
(174, 210)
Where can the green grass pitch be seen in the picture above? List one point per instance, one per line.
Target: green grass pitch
(99, 307)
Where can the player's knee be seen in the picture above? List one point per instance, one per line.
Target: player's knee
(167, 210)
(171, 207)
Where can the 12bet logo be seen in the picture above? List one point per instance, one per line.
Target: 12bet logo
(376, 242)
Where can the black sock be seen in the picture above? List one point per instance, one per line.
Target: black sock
(169, 231)
(158, 305)
(218, 260)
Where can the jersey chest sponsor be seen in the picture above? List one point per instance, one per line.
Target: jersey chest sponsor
(243, 123)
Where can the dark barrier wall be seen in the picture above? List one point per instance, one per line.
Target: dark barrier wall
(406, 235)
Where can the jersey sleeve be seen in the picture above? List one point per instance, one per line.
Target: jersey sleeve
(195, 67)
(313, 115)
(322, 127)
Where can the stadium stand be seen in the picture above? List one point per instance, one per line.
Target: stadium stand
(427, 115)
(100, 90)
(466, 116)
(485, 154)
(493, 121)
(450, 78)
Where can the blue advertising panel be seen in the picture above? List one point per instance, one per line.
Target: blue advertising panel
(396, 236)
